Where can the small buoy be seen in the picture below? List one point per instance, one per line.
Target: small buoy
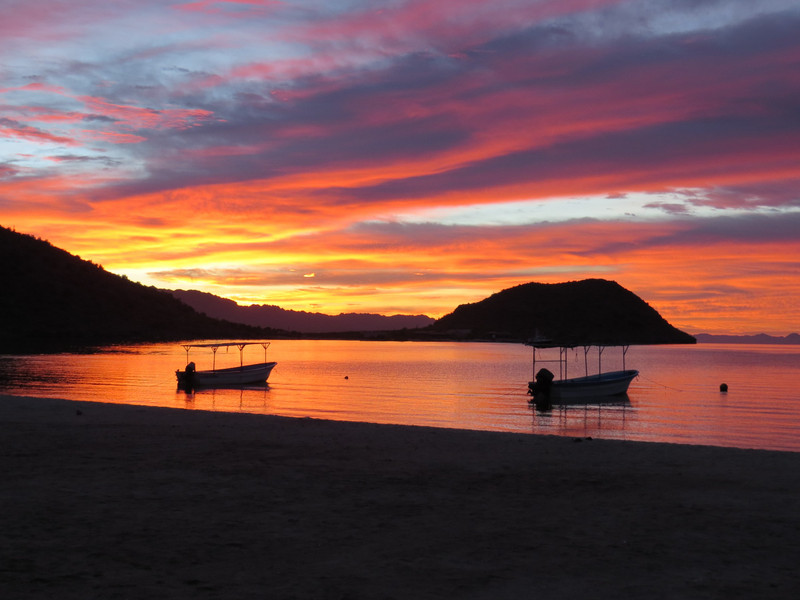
(723, 387)
(346, 377)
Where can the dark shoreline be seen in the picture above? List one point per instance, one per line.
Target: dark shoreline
(113, 501)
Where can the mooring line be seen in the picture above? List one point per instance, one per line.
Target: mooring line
(661, 384)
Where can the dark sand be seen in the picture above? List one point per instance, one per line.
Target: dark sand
(107, 501)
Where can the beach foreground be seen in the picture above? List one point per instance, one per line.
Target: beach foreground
(112, 501)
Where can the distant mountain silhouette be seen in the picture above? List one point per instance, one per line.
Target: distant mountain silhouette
(592, 311)
(53, 300)
(265, 315)
(761, 338)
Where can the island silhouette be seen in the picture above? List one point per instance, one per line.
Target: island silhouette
(54, 300)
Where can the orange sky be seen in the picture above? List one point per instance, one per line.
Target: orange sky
(411, 156)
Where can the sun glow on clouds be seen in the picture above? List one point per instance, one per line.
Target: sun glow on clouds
(410, 156)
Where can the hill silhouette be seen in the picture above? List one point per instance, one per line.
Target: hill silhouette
(266, 315)
(760, 338)
(592, 311)
(52, 299)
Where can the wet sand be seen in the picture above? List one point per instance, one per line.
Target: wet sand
(110, 501)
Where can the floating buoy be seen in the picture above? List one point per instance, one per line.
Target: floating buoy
(723, 387)
(346, 377)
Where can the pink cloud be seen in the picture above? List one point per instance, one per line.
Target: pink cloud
(113, 137)
(364, 111)
(136, 117)
(14, 129)
(236, 8)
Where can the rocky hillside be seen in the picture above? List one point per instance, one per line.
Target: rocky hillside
(761, 338)
(577, 312)
(266, 315)
(51, 299)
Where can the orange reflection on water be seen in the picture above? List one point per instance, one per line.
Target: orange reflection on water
(479, 386)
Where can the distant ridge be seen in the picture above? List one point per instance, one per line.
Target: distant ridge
(265, 315)
(52, 300)
(592, 311)
(761, 338)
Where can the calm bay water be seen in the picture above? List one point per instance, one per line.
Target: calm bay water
(480, 386)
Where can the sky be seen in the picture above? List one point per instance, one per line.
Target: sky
(408, 156)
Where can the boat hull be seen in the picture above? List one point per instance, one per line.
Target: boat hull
(233, 376)
(612, 383)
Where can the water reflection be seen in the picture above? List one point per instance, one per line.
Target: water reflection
(250, 399)
(676, 397)
(600, 418)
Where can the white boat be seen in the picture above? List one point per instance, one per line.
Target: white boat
(546, 388)
(257, 373)
(610, 383)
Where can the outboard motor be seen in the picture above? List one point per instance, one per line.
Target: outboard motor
(540, 389)
(189, 377)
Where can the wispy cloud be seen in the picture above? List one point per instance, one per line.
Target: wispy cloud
(240, 145)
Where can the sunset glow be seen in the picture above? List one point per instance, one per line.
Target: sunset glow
(408, 156)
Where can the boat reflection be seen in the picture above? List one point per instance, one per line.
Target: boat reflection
(606, 417)
(249, 398)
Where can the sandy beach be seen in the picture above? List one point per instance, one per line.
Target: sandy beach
(110, 501)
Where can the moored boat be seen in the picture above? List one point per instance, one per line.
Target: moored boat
(610, 383)
(546, 389)
(190, 378)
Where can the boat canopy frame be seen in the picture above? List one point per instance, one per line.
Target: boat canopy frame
(217, 345)
(562, 359)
